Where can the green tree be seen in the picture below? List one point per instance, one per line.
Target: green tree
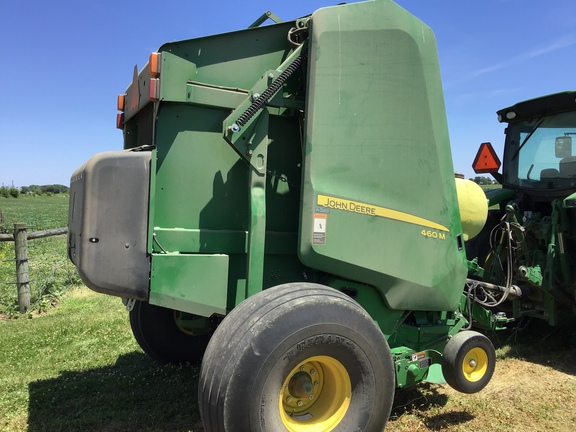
(483, 180)
(54, 188)
(14, 192)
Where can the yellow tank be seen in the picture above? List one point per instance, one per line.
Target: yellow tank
(473, 207)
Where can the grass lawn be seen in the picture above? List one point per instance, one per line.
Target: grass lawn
(78, 368)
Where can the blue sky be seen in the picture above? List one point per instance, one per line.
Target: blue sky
(65, 61)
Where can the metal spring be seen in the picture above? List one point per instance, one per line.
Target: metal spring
(258, 103)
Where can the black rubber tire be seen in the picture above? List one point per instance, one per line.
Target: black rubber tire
(468, 346)
(155, 330)
(261, 341)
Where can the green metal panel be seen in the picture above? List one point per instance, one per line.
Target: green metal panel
(201, 194)
(197, 284)
(207, 199)
(200, 181)
(175, 72)
(379, 203)
(235, 59)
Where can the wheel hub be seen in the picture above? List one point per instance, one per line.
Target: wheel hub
(305, 383)
(475, 364)
(315, 395)
(301, 385)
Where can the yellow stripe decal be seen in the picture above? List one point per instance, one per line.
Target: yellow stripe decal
(372, 210)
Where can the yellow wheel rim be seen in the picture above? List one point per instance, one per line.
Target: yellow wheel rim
(315, 395)
(186, 330)
(475, 364)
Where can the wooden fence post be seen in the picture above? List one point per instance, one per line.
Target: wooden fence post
(22, 280)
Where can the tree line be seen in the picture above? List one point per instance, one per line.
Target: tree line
(484, 180)
(14, 192)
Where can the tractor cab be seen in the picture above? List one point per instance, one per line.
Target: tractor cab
(539, 158)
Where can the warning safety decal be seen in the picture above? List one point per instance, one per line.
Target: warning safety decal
(319, 237)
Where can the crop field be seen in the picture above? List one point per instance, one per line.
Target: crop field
(51, 274)
(38, 212)
(77, 367)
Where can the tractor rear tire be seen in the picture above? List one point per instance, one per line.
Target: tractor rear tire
(468, 362)
(297, 357)
(159, 336)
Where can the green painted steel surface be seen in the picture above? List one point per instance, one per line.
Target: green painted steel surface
(197, 284)
(206, 198)
(379, 202)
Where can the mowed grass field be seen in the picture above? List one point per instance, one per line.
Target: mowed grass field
(77, 367)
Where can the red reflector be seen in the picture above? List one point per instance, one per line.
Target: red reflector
(120, 120)
(121, 102)
(486, 160)
(154, 89)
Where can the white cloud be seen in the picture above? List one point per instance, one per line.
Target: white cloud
(557, 45)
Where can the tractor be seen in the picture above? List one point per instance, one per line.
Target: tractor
(521, 264)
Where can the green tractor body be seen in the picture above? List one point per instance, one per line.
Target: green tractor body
(528, 249)
(286, 197)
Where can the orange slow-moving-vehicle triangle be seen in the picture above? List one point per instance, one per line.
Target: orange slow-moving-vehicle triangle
(486, 160)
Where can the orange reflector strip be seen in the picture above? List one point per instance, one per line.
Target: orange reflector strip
(121, 101)
(486, 160)
(154, 63)
(120, 121)
(154, 89)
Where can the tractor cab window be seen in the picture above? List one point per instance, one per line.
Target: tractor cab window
(539, 153)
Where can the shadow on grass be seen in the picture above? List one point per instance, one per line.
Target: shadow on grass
(442, 421)
(134, 394)
(137, 394)
(422, 398)
(419, 398)
(537, 342)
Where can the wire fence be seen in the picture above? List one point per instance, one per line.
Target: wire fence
(20, 237)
